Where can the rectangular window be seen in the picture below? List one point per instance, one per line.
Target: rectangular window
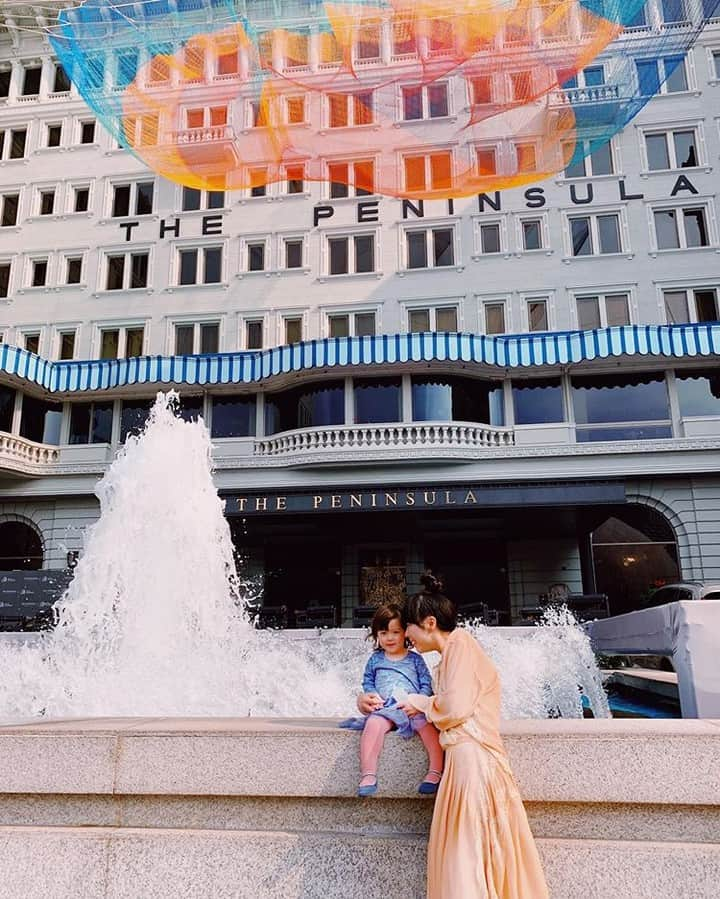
(351, 258)
(532, 234)
(256, 257)
(295, 177)
(359, 324)
(490, 238)
(32, 342)
(10, 204)
(67, 344)
(683, 306)
(433, 171)
(91, 422)
(293, 253)
(481, 90)
(595, 234)
(526, 157)
(197, 338)
(258, 182)
(17, 143)
(81, 199)
(621, 407)
(487, 161)
(4, 280)
(537, 311)
(441, 318)
(494, 318)
(47, 202)
(134, 338)
(254, 335)
(39, 272)
(74, 270)
(349, 179)
(671, 150)
(54, 135)
(367, 43)
(200, 266)
(127, 271)
(5, 75)
(681, 228)
(31, 81)
(61, 82)
(425, 101)
(430, 248)
(346, 110)
(87, 133)
(132, 199)
(293, 330)
(610, 310)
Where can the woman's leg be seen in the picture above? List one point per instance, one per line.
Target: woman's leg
(431, 741)
(371, 744)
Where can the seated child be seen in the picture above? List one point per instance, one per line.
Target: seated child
(391, 672)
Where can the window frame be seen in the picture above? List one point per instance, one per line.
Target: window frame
(199, 247)
(679, 207)
(668, 129)
(429, 227)
(602, 295)
(350, 236)
(351, 314)
(122, 326)
(196, 322)
(689, 288)
(133, 184)
(569, 215)
(123, 250)
(432, 307)
(425, 101)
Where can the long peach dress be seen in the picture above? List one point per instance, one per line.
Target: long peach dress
(480, 843)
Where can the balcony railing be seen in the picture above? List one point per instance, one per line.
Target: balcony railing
(382, 437)
(600, 93)
(25, 456)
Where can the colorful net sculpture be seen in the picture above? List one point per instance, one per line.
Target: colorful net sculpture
(408, 98)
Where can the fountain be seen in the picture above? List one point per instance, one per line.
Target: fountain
(153, 622)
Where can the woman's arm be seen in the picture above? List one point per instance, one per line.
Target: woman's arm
(459, 691)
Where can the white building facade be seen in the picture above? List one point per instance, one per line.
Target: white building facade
(519, 389)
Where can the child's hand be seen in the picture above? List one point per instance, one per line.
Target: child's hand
(369, 702)
(408, 708)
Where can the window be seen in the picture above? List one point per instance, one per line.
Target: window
(346, 110)
(698, 392)
(666, 76)
(293, 329)
(294, 179)
(700, 305)
(12, 143)
(32, 342)
(351, 324)
(31, 81)
(595, 234)
(197, 337)
(233, 415)
(295, 110)
(537, 314)
(671, 150)
(73, 269)
(61, 82)
(351, 255)
(481, 90)
(5, 75)
(67, 345)
(256, 256)
(351, 179)
(40, 420)
(526, 155)
(200, 266)
(425, 101)
(621, 407)
(54, 135)
(87, 132)
(132, 199)
(486, 161)
(81, 199)
(122, 343)
(673, 11)
(377, 400)
(47, 202)
(538, 401)
(603, 310)
(254, 334)
(159, 70)
(716, 64)
(91, 422)
(258, 182)
(127, 271)
(193, 200)
(367, 42)
(133, 416)
(430, 172)
(532, 234)
(433, 318)
(494, 318)
(681, 228)
(489, 237)
(443, 398)
(227, 64)
(588, 159)
(4, 280)
(9, 204)
(293, 252)
(430, 247)
(39, 272)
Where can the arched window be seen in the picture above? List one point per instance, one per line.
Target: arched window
(20, 547)
(634, 552)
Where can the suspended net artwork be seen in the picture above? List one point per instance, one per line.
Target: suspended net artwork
(406, 98)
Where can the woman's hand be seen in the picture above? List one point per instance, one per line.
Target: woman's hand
(409, 709)
(369, 702)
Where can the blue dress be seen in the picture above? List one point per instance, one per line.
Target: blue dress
(382, 676)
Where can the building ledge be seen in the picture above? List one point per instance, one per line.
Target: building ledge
(19, 456)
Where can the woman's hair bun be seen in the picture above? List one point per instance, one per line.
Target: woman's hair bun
(431, 583)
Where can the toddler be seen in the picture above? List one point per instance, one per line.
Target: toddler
(393, 671)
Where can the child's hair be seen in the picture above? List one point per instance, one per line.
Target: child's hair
(384, 614)
(430, 601)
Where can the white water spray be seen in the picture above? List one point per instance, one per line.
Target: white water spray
(153, 624)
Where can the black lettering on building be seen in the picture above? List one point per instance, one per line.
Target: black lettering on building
(626, 196)
(683, 183)
(128, 226)
(581, 201)
(418, 211)
(535, 198)
(173, 229)
(212, 224)
(323, 211)
(368, 211)
(493, 203)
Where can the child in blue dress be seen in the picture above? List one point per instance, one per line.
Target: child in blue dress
(393, 671)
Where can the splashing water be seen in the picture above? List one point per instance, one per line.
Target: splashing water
(153, 623)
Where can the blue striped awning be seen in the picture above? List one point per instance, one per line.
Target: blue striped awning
(503, 351)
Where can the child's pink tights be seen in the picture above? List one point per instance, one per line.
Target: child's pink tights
(371, 744)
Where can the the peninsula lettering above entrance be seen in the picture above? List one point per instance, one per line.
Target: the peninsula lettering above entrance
(369, 210)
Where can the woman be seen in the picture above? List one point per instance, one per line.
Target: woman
(480, 844)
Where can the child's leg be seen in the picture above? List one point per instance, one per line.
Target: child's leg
(371, 744)
(431, 741)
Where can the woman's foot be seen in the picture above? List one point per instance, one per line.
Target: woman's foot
(368, 785)
(429, 786)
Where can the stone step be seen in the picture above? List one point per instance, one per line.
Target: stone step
(124, 863)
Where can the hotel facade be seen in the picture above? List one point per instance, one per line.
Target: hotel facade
(519, 390)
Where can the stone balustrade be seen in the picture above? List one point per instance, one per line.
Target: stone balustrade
(25, 456)
(382, 437)
(600, 93)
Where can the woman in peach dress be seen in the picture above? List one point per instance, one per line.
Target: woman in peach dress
(480, 843)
